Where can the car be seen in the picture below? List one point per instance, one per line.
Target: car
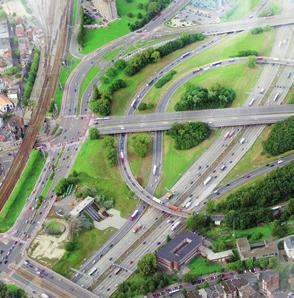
(158, 243)
(111, 258)
(131, 262)
(144, 242)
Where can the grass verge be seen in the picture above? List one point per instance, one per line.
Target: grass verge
(112, 54)
(22, 190)
(176, 162)
(140, 167)
(94, 170)
(63, 76)
(226, 48)
(88, 242)
(239, 77)
(90, 75)
(255, 157)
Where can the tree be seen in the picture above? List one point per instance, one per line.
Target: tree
(280, 229)
(94, 133)
(130, 14)
(153, 7)
(140, 5)
(155, 56)
(198, 222)
(188, 135)
(111, 72)
(82, 223)
(251, 61)
(96, 93)
(120, 64)
(147, 265)
(141, 143)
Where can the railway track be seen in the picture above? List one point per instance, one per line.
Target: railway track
(47, 93)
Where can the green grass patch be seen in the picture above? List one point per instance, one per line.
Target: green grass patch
(75, 11)
(122, 98)
(176, 162)
(94, 171)
(95, 38)
(240, 10)
(141, 167)
(274, 8)
(201, 266)
(255, 157)
(229, 46)
(22, 190)
(290, 96)
(239, 77)
(112, 54)
(46, 188)
(88, 242)
(90, 75)
(65, 72)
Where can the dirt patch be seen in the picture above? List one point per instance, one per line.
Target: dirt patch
(48, 249)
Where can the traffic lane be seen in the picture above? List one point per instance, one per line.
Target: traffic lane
(214, 123)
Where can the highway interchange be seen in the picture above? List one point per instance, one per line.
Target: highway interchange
(125, 248)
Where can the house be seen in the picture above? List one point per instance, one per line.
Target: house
(289, 247)
(270, 282)
(217, 219)
(247, 291)
(5, 104)
(267, 248)
(180, 250)
(221, 257)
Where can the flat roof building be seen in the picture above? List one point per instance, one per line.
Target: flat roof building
(81, 206)
(180, 250)
(289, 247)
(267, 248)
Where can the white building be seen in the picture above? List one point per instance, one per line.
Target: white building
(289, 247)
(81, 207)
(5, 104)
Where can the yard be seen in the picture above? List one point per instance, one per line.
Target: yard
(94, 171)
(201, 266)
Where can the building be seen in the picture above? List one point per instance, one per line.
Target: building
(217, 219)
(270, 282)
(289, 247)
(5, 104)
(267, 248)
(180, 250)
(248, 292)
(221, 257)
(106, 8)
(81, 207)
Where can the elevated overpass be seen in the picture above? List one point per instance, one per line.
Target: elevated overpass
(243, 116)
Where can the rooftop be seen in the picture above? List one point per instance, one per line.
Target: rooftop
(180, 246)
(289, 242)
(81, 206)
(4, 100)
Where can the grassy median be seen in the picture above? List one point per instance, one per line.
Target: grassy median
(22, 190)
(229, 46)
(176, 162)
(94, 171)
(240, 10)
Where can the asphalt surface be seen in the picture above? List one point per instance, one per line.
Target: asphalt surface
(143, 241)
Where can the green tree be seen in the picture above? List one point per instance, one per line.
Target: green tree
(94, 133)
(141, 143)
(155, 56)
(251, 61)
(120, 64)
(198, 222)
(147, 265)
(280, 229)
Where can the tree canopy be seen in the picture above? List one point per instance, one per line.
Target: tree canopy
(199, 98)
(141, 143)
(188, 135)
(281, 137)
